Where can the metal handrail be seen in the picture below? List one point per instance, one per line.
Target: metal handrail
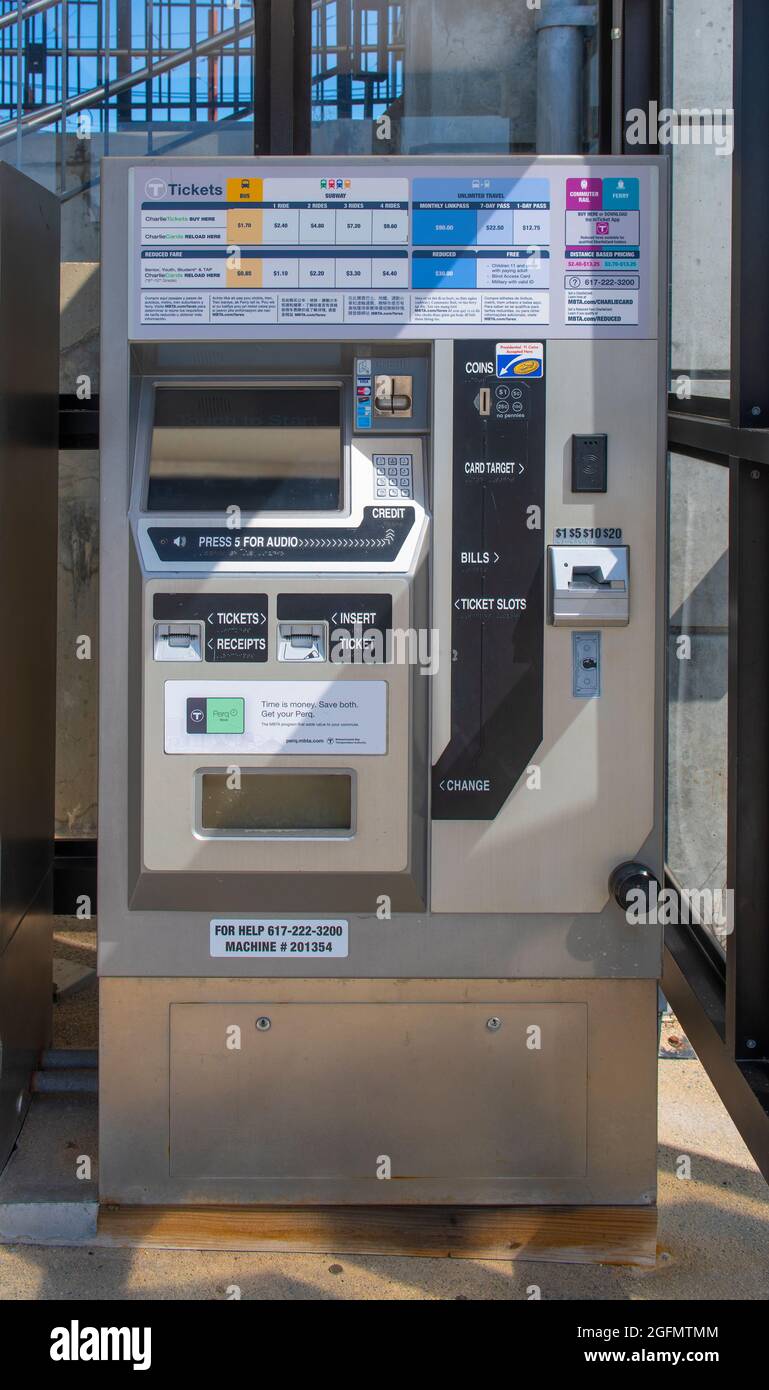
(29, 11)
(47, 114)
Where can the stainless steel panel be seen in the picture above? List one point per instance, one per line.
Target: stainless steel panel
(363, 1068)
(447, 1091)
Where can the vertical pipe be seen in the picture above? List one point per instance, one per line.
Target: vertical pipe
(560, 80)
(260, 76)
(344, 37)
(124, 46)
(302, 77)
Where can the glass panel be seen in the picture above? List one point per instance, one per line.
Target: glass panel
(125, 77)
(440, 76)
(261, 449)
(702, 197)
(277, 803)
(697, 683)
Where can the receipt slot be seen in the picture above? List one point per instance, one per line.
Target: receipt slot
(356, 778)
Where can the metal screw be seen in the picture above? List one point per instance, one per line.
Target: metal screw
(755, 474)
(755, 410)
(750, 1042)
(263, 1024)
(493, 1024)
(616, 34)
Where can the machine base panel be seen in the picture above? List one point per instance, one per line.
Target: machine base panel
(384, 1093)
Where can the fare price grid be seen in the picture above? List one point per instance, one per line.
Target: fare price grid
(473, 249)
(280, 234)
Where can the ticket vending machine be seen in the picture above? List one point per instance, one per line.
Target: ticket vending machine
(381, 680)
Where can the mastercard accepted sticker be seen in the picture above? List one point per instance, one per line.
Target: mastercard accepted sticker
(520, 359)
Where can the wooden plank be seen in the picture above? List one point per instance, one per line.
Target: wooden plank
(568, 1235)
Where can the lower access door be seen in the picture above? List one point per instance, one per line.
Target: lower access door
(384, 1102)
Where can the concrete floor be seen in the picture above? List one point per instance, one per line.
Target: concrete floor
(714, 1242)
(714, 1227)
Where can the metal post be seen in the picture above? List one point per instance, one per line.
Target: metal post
(617, 46)
(750, 208)
(344, 62)
(302, 77)
(747, 951)
(560, 75)
(124, 49)
(641, 74)
(261, 76)
(289, 38)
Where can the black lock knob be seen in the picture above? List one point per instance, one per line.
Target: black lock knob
(628, 878)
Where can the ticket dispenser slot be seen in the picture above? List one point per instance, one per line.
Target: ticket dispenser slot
(178, 642)
(589, 586)
(302, 641)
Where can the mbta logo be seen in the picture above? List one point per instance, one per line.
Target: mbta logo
(156, 188)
